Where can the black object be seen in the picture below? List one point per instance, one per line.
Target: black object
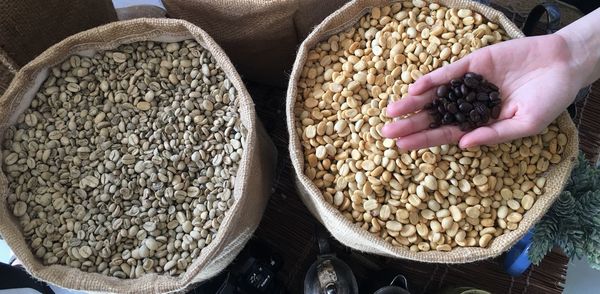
(552, 18)
(253, 272)
(329, 274)
(15, 277)
(399, 285)
(586, 6)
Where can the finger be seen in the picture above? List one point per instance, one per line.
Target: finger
(440, 76)
(407, 126)
(432, 137)
(498, 132)
(409, 104)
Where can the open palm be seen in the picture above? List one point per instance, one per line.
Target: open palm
(534, 78)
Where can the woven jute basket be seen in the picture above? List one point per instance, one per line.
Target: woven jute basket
(252, 183)
(355, 237)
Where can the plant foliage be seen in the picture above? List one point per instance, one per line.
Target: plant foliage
(573, 221)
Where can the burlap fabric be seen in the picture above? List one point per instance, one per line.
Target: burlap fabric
(355, 237)
(28, 27)
(8, 68)
(260, 37)
(252, 184)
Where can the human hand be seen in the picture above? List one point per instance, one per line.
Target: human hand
(536, 82)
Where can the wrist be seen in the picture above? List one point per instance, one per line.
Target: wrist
(582, 41)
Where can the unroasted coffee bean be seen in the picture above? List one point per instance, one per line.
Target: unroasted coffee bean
(468, 102)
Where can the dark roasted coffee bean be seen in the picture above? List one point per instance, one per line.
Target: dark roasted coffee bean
(452, 96)
(473, 75)
(485, 117)
(483, 110)
(434, 125)
(471, 82)
(456, 82)
(457, 92)
(495, 102)
(452, 107)
(464, 90)
(468, 102)
(474, 116)
(465, 127)
(448, 118)
(491, 86)
(495, 112)
(494, 95)
(441, 109)
(442, 91)
(482, 96)
(465, 107)
(471, 97)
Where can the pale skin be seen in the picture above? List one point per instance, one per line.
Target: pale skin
(538, 78)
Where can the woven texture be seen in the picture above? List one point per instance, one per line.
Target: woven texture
(7, 71)
(355, 237)
(259, 36)
(29, 27)
(253, 180)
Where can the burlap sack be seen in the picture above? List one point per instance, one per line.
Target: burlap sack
(260, 37)
(8, 68)
(28, 27)
(253, 180)
(355, 237)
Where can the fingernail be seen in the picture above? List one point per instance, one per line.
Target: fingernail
(384, 130)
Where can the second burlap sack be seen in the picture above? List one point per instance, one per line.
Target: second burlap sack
(354, 236)
(260, 37)
(252, 183)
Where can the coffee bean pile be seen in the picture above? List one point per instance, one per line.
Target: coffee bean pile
(468, 102)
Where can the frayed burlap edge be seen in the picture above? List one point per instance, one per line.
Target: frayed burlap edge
(252, 184)
(352, 235)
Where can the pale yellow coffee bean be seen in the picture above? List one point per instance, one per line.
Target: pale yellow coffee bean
(514, 217)
(485, 240)
(310, 131)
(408, 230)
(480, 180)
(143, 105)
(370, 204)
(540, 182)
(430, 183)
(443, 247)
(321, 152)
(506, 193)
(527, 202)
(456, 213)
(502, 212)
(393, 226)
(472, 212)
(513, 204)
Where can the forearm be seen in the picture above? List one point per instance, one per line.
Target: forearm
(583, 40)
